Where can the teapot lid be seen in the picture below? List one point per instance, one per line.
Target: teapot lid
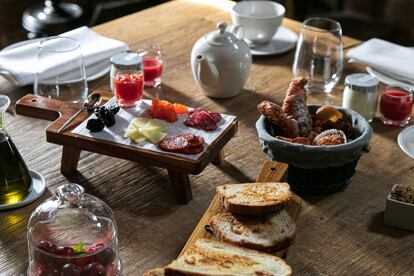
(222, 37)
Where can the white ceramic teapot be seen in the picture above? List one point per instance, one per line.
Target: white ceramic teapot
(221, 62)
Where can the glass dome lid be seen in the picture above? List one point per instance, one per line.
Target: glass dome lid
(73, 233)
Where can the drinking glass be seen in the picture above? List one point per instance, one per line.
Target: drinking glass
(60, 72)
(152, 63)
(128, 87)
(396, 105)
(319, 54)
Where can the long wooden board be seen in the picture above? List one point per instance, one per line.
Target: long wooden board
(270, 172)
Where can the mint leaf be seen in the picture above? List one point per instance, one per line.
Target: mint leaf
(78, 248)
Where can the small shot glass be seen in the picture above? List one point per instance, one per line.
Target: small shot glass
(152, 63)
(396, 105)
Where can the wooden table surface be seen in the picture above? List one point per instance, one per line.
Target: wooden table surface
(338, 234)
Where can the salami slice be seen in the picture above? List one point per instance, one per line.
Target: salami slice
(175, 144)
(193, 150)
(196, 141)
(205, 121)
(202, 118)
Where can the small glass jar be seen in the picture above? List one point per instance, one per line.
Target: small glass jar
(124, 61)
(152, 63)
(361, 94)
(128, 88)
(73, 233)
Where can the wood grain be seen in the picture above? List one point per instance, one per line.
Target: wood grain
(339, 234)
(270, 172)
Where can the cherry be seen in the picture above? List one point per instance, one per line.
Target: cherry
(93, 269)
(50, 271)
(71, 270)
(47, 246)
(65, 251)
(105, 257)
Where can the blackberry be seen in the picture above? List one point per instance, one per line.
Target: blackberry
(107, 117)
(114, 108)
(95, 125)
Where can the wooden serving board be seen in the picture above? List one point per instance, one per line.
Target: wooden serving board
(270, 172)
(178, 167)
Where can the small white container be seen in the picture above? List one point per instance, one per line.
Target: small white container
(398, 213)
(361, 95)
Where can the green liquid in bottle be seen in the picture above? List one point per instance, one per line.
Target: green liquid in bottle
(15, 180)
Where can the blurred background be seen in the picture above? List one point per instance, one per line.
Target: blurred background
(391, 20)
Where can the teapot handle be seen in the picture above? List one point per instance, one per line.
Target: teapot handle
(237, 30)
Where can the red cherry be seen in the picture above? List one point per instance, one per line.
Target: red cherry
(71, 270)
(94, 269)
(47, 246)
(65, 251)
(105, 257)
(82, 260)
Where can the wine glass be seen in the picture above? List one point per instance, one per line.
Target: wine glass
(60, 72)
(319, 54)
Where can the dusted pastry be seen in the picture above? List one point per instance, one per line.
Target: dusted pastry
(285, 126)
(327, 113)
(295, 107)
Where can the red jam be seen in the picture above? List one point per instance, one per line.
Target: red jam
(128, 89)
(152, 69)
(396, 105)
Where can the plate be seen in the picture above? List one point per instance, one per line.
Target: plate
(406, 141)
(93, 71)
(38, 187)
(284, 40)
(387, 79)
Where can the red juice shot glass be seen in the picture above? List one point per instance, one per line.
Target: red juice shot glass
(128, 87)
(396, 106)
(152, 64)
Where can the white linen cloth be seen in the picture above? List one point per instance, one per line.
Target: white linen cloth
(389, 58)
(125, 116)
(22, 61)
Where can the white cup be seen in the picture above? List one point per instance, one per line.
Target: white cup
(260, 19)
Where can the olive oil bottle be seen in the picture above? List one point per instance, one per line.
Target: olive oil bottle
(15, 180)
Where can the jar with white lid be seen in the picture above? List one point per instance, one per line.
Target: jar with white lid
(124, 61)
(361, 94)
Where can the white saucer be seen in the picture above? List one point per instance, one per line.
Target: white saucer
(93, 71)
(38, 187)
(406, 141)
(284, 40)
(387, 79)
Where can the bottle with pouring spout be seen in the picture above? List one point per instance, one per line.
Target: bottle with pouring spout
(15, 180)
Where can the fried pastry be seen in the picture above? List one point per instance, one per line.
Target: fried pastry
(295, 106)
(330, 137)
(327, 113)
(285, 126)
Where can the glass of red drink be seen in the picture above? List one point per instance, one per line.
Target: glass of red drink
(396, 106)
(128, 87)
(152, 63)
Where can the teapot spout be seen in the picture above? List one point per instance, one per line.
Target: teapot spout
(207, 72)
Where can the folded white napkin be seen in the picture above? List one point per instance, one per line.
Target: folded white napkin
(22, 61)
(387, 57)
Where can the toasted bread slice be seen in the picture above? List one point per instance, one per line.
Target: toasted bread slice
(268, 233)
(254, 198)
(210, 257)
(155, 272)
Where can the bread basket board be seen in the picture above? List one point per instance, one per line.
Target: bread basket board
(178, 167)
(270, 172)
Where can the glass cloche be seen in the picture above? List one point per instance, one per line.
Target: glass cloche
(73, 233)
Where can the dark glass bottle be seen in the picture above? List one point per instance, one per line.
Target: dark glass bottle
(15, 180)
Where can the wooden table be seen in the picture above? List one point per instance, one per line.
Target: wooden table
(338, 234)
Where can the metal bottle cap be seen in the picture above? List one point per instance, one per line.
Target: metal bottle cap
(362, 82)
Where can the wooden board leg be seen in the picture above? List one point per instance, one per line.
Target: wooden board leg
(219, 158)
(70, 158)
(180, 183)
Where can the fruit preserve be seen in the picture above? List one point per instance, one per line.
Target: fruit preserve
(128, 87)
(73, 233)
(396, 106)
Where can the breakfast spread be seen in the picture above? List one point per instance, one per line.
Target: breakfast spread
(294, 123)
